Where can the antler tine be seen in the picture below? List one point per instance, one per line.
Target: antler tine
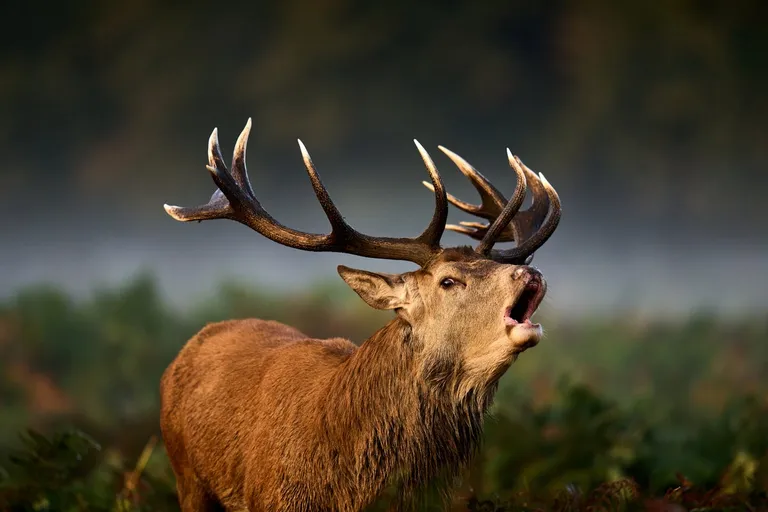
(218, 206)
(431, 236)
(338, 225)
(509, 211)
(215, 158)
(239, 169)
(523, 253)
(508, 224)
(525, 223)
(530, 220)
(235, 200)
(492, 201)
(492, 204)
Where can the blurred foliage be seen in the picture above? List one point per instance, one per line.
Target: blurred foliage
(68, 472)
(645, 412)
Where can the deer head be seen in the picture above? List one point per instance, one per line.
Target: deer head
(469, 309)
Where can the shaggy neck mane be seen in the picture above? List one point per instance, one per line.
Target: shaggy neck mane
(393, 425)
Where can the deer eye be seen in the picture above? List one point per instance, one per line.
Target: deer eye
(447, 282)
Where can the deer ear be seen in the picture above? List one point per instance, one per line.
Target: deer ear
(380, 291)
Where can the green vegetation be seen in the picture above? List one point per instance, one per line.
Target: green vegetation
(603, 413)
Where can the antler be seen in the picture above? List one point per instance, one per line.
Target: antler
(528, 227)
(235, 200)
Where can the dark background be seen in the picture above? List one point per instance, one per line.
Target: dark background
(648, 118)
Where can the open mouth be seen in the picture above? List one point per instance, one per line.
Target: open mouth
(526, 304)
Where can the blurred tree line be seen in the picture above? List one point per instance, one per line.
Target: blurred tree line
(654, 107)
(667, 406)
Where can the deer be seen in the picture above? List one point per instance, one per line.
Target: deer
(256, 415)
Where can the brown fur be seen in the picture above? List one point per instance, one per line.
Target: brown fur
(258, 416)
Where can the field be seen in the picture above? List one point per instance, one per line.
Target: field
(610, 413)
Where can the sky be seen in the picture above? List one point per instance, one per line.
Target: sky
(648, 119)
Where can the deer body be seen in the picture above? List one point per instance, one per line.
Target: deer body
(257, 416)
(345, 421)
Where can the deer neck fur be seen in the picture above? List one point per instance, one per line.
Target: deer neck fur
(395, 424)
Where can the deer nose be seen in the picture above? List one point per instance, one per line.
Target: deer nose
(524, 271)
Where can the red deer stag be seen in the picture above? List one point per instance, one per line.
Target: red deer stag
(258, 416)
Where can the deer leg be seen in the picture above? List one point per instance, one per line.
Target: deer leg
(193, 496)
